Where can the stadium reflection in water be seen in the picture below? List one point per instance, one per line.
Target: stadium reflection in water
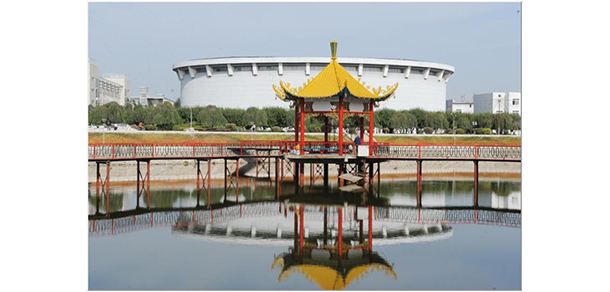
(315, 238)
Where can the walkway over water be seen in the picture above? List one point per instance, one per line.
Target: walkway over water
(321, 150)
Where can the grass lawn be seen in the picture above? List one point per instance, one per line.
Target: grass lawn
(162, 138)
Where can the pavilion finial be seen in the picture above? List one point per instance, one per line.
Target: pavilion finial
(333, 49)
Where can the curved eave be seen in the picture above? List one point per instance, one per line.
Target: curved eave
(291, 96)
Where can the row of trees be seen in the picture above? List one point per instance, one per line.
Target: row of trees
(175, 117)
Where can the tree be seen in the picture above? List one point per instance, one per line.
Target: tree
(234, 115)
(177, 103)
(383, 117)
(484, 120)
(462, 121)
(276, 116)
(255, 116)
(165, 116)
(502, 122)
(211, 117)
(114, 112)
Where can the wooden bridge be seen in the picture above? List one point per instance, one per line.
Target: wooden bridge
(289, 159)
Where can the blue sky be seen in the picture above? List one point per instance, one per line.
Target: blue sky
(481, 40)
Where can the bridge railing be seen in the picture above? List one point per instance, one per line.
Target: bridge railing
(268, 148)
(447, 151)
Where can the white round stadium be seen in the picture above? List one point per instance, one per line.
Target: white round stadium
(242, 82)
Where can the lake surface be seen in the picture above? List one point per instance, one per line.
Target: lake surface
(169, 238)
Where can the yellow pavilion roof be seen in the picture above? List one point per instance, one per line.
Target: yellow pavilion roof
(334, 80)
(328, 278)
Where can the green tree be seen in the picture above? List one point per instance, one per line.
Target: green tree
(114, 112)
(165, 116)
(211, 117)
(276, 116)
(502, 122)
(234, 115)
(255, 116)
(177, 103)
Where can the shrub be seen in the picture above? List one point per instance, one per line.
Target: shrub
(386, 130)
(428, 130)
(150, 127)
(181, 127)
(231, 126)
(482, 131)
(460, 131)
(276, 129)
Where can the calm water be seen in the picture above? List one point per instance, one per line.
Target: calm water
(179, 243)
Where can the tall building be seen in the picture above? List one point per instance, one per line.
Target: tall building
(459, 106)
(124, 81)
(101, 90)
(246, 81)
(497, 102)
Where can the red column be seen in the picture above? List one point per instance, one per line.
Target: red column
(302, 126)
(296, 123)
(301, 209)
(340, 231)
(370, 228)
(340, 125)
(325, 133)
(209, 183)
(237, 181)
(371, 125)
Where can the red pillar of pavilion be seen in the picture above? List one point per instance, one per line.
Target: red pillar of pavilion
(371, 106)
(341, 125)
(302, 126)
(325, 133)
(296, 123)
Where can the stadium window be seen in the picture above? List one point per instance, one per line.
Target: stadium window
(219, 69)
(516, 101)
(267, 67)
(396, 70)
(200, 70)
(515, 111)
(373, 69)
(294, 67)
(242, 68)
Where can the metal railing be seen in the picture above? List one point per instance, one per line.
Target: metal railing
(276, 148)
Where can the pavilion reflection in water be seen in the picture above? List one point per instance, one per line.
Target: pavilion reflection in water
(328, 244)
(330, 238)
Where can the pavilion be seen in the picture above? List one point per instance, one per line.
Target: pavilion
(333, 92)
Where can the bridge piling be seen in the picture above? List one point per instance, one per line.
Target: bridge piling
(476, 183)
(419, 182)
